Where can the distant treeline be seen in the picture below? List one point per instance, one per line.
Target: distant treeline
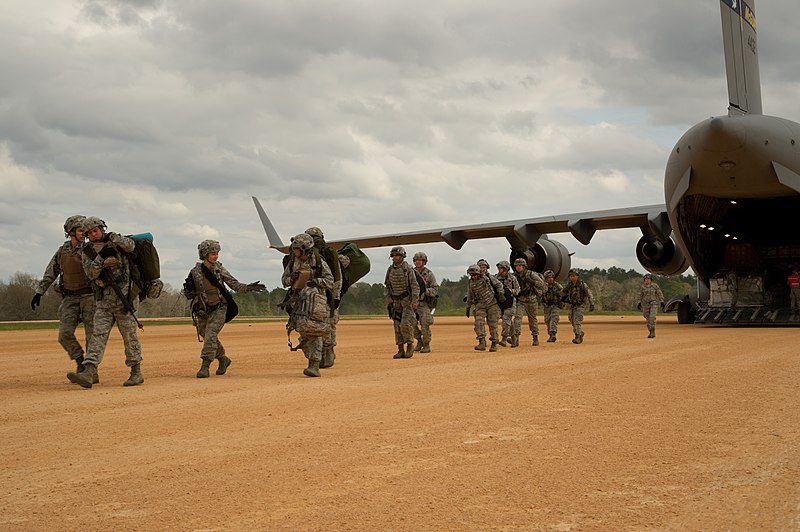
(614, 290)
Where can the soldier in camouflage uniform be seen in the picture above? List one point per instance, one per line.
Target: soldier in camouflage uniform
(331, 258)
(427, 302)
(553, 293)
(209, 304)
(401, 291)
(106, 264)
(650, 300)
(77, 299)
(510, 282)
(577, 295)
(481, 289)
(531, 285)
(303, 260)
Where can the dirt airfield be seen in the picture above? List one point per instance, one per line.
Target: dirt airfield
(694, 430)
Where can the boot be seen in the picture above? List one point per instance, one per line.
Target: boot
(85, 378)
(79, 368)
(652, 333)
(535, 340)
(203, 372)
(313, 369)
(135, 378)
(224, 363)
(327, 358)
(419, 345)
(426, 348)
(578, 338)
(481, 345)
(552, 337)
(503, 341)
(493, 347)
(515, 341)
(409, 350)
(400, 352)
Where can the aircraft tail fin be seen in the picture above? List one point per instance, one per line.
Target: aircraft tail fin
(741, 56)
(272, 234)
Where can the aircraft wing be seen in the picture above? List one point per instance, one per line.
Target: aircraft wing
(520, 233)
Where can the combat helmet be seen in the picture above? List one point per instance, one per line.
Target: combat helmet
(73, 222)
(549, 273)
(315, 232)
(207, 246)
(398, 250)
(482, 262)
(504, 264)
(420, 255)
(474, 270)
(574, 271)
(304, 242)
(647, 276)
(91, 222)
(521, 262)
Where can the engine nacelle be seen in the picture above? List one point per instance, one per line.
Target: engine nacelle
(661, 258)
(545, 255)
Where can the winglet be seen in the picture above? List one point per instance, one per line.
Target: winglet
(272, 234)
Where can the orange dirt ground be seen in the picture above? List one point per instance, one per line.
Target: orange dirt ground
(694, 430)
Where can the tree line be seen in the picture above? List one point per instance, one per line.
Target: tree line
(614, 290)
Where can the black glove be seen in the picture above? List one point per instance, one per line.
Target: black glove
(37, 298)
(639, 305)
(390, 311)
(468, 312)
(501, 298)
(107, 251)
(256, 287)
(465, 299)
(591, 307)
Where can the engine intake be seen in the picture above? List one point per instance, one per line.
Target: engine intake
(661, 257)
(545, 255)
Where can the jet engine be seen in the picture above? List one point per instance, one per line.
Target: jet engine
(661, 257)
(545, 255)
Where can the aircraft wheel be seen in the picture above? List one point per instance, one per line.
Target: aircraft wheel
(685, 313)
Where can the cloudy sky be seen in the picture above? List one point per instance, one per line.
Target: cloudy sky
(358, 117)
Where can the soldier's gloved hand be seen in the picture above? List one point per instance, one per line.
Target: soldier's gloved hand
(111, 262)
(639, 305)
(37, 298)
(256, 287)
(501, 297)
(468, 312)
(591, 307)
(107, 251)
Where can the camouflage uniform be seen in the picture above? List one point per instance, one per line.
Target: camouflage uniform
(509, 281)
(576, 296)
(481, 295)
(551, 300)
(326, 251)
(422, 331)
(650, 299)
(401, 291)
(531, 284)
(77, 300)
(322, 279)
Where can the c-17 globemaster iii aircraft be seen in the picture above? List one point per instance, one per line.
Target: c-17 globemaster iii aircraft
(732, 192)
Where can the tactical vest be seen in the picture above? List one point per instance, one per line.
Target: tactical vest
(482, 291)
(397, 280)
(576, 293)
(552, 294)
(73, 278)
(207, 294)
(649, 293)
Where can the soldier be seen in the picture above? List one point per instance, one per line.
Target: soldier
(77, 300)
(577, 295)
(427, 302)
(794, 291)
(107, 266)
(401, 291)
(553, 292)
(510, 282)
(531, 285)
(481, 289)
(304, 268)
(205, 287)
(650, 299)
(331, 258)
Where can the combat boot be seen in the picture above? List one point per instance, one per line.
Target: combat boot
(327, 358)
(86, 377)
(79, 368)
(652, 333)
(409, 350)
(481, 345)
(493, 347)
(400, 352)
(552, 337)
(203, 371)
(515, 341)
(313, 369)
(502, 341)
(426, 348)
(535, 340)
(419, 345)
(578, 338)
(224, 363)
(135, 378)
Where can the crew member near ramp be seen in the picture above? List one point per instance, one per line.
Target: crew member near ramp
(108, 268)
(650, 300)
(77, 301)
(427, 302)
(401, 291)
(205, 286)
(577, 296)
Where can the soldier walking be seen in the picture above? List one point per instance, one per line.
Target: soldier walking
(331, 258)
(205, 287)
(65, 269)
(577, 296)
(794, 291)
(107, 266)
(427, 302)
(510, 282)
(531, 286)
(650, 300)
(401, 291)
(481, 289)
(551, 298)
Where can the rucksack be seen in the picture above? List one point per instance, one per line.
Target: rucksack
(145, 267)
(358, 267)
